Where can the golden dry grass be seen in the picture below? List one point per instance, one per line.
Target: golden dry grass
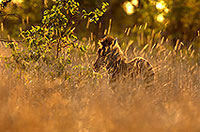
(85, 104)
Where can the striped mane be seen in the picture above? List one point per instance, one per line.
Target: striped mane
(112, 57)
(111, 43)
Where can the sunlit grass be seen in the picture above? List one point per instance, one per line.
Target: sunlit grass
(2, 28)
(87, 104)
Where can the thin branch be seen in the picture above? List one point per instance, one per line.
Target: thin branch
(10, 41)
(6, 15)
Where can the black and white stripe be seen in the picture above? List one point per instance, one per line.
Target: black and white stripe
(119, 69)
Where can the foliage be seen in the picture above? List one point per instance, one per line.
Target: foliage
(181, 18)
(52, 43)
(184, 20)
(3, 4)
(22, 15)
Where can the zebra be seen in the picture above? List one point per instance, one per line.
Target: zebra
(119, 69)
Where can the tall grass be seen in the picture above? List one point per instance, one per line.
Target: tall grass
(85, 103)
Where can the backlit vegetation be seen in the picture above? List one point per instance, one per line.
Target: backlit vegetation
(47, 82)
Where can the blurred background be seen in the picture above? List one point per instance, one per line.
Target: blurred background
(174, 19)
(42, 91)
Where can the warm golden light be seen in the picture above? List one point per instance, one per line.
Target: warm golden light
(1, 1)
(128, 8)
(166, 10)
(160, 18)
(160, 5)
(135, 2)
(17, 1)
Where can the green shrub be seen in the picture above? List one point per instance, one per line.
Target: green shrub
(50, 45)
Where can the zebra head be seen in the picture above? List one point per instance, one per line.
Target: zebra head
(104, 50)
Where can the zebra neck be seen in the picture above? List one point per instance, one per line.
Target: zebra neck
(115, 63)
